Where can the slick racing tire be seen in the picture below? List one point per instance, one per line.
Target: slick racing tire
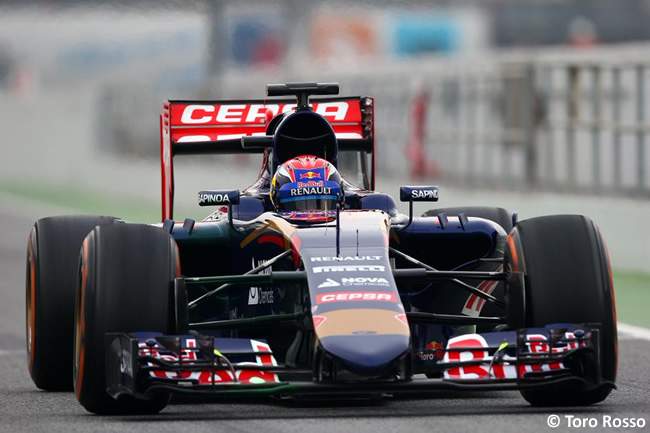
(125, 279)
(51, 281)
(567, 279)
(496, 214)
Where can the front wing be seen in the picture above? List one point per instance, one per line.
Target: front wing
(140, 364)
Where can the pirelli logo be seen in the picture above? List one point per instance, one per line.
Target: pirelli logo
(349, 268)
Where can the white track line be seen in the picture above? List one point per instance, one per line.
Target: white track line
(631, 332)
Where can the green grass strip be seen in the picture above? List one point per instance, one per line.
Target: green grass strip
(632, 291)
(85, 202)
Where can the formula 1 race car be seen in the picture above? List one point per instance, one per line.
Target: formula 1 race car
(354, 300)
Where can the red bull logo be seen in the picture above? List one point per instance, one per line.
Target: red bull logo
(434, 345)
(438, 347)
(310, 175)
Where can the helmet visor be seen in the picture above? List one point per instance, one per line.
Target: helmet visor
(325, 202)
(325, 196)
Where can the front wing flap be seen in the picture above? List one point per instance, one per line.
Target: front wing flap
(139, 363)
(526, 356)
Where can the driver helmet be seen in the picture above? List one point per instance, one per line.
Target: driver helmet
(306, 183)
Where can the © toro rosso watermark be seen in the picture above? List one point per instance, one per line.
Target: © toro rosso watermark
(603, 422)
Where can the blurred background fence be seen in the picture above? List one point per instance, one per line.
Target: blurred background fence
(500, 95)
(472, 93)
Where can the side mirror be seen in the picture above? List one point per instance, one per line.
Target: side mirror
(219, 198)
(227, 197)
(417, 193)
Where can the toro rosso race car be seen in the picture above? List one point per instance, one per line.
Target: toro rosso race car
(310, 284)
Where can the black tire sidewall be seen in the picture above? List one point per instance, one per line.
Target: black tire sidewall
(567, 280)
(130, 272)
(53, 255)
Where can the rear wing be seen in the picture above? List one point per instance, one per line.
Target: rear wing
(219, 127)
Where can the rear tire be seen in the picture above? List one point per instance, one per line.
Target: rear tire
(496, 214)
(126, 277)
(51, 281)
(568, 279)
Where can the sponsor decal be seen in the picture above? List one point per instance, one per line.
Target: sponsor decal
(349, 268)
(474, 304)
(324, 298)
(318, 320)
(365, 281)
(434, 345)
(317, 190)
(346, 259)
(310, 175)
(209, 377)
(425, 194)
(433, 352)
(453, 356)
(186, 355)
(328, 283)
(418, 193)
(213, 198)
(125, 363)
(402, 317)
(310, 184)
(200, 114)
(355, 281)
(257, 295)
(260, 295)
(430, 356)
(476, 351)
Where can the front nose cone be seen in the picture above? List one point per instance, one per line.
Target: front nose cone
(367, 355)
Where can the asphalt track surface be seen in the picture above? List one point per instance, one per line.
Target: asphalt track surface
(24, 408)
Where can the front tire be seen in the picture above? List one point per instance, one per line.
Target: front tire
(568, 279)
(126, 277)
(51, 282)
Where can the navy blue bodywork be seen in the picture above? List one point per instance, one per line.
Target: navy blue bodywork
(215, 248)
